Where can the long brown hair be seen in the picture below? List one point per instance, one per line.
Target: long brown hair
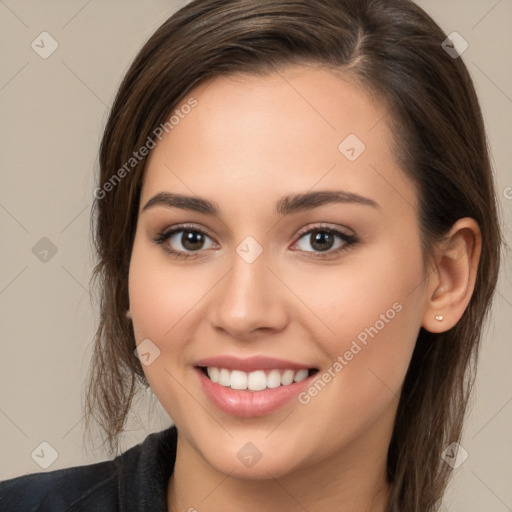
(394, 49)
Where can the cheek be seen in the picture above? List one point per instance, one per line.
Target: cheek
(159, 302)
(373, 311)
(374, 288)
(375, 330)
(159, 297)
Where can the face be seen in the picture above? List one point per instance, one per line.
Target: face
(304, 265)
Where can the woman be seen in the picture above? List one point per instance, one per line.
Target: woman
(298, 245)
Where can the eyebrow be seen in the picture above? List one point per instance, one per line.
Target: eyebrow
(287, 205)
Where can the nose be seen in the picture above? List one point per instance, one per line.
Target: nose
(249, 300)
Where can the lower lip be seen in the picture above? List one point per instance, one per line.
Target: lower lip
(247, 404)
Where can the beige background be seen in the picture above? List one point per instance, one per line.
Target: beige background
(52, 114)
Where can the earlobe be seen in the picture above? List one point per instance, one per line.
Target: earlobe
(128, 314)
(452, 282)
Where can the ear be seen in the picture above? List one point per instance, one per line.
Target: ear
(452, 281)
(128, 314)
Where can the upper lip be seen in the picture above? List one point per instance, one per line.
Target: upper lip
(250, 364)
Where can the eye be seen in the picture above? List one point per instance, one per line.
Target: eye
(325, 240)
(183, 241)
(187, 241)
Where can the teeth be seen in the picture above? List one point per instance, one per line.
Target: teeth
(274, 379)
(300, 375)
(224, 378)
(213, 373)
(256, 380)
(238, 380)
(287, 377)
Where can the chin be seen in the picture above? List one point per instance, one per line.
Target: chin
(253, 460)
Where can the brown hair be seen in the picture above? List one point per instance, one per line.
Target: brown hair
(391, 47)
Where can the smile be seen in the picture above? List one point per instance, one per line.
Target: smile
(257, 380)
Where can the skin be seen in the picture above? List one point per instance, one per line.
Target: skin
(249, 141)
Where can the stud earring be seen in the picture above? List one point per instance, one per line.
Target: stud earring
(440, 317)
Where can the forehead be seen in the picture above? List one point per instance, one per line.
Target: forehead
(268, 135)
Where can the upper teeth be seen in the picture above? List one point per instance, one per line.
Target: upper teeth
(257, 380)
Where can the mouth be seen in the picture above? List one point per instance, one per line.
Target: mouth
(256, 380)
(252, 386)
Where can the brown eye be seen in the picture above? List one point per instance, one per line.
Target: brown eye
(321, 240)
(191, 240)
(183, 241)
(325, 240)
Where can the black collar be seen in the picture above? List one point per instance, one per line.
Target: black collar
(144, 472)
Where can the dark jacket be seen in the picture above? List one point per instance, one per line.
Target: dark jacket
(136, 480)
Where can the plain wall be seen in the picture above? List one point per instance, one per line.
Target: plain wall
(52, 114)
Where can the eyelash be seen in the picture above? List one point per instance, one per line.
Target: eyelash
(164, 235)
